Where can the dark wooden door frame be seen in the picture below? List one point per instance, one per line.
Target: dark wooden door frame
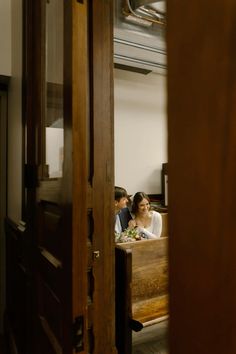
(3, 195)
(103, 157)
(202, 173)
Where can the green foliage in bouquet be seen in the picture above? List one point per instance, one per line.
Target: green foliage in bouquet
(129, 235)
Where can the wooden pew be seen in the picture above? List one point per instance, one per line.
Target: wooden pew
(165, 230)
(141, 288)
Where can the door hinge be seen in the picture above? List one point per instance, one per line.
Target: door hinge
(78, 334)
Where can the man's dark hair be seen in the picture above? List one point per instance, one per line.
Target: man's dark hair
(120, 193)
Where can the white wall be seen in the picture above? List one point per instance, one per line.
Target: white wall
(140, 130)
(54, 151)
(5, 37)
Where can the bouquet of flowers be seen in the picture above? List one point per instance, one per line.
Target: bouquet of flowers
(129, 235)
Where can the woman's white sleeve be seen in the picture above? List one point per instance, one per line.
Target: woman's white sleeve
(157, 223)
(146, 234)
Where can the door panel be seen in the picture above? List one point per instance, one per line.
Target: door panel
(70, 151)
(49, 196)
(53, 278)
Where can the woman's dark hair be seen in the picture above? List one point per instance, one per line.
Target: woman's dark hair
(138, 197)
(120, 193)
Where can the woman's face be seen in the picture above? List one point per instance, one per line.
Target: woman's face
(143, 206)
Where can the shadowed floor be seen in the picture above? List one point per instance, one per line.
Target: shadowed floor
(151, 340)
(2, 345)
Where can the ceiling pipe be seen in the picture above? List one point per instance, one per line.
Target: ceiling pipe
(139, 9)
(138, 3)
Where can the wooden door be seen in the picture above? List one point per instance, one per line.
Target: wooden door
(55, 318)
(69, 174)
(202, 174)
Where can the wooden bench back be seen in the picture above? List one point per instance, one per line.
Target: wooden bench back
(141, 287)
(149, 268)
(165, 229)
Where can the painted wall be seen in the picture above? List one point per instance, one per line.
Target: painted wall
(5, 37)
(140, 131)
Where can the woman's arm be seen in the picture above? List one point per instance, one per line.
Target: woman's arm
(132, 224)
(154, 229)
(156, 223)
(146, 234)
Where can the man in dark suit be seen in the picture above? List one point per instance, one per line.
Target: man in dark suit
(123, 215)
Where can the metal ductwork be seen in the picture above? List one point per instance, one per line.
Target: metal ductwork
(139, 36)
(156, 3)
(151, 10)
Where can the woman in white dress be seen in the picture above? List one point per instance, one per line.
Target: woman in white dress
(148, 222)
